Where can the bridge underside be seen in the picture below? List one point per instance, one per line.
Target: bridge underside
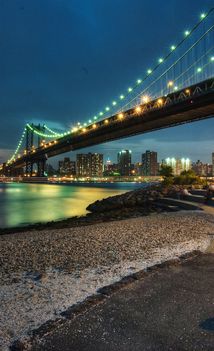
(186, 112)
(182, 110)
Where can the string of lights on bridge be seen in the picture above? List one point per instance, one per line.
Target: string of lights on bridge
(101, 115)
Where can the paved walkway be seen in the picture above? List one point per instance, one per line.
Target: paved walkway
(171, 308)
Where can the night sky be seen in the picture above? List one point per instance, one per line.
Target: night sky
(62, 61)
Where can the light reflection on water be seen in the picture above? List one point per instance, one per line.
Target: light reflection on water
(30, 203)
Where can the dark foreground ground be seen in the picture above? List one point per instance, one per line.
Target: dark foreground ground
(169, 308)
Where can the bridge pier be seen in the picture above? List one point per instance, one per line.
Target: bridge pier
(29, 168)
(41, 168)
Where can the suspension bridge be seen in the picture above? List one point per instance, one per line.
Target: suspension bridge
(177, 89)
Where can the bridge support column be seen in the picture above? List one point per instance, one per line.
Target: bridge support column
(29, 168)
(41, 168)
(29, 145)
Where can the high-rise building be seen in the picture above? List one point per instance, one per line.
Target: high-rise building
(149, 163)
(179, 165)
(213, 164)
(124, 162)
(110, 168)
(202, 169)
(89, 165)
(138, 171)
(67, 167)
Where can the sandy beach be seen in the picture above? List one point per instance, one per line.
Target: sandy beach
(43, 273)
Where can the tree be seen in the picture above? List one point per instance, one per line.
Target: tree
(189, 173)
(166, 171)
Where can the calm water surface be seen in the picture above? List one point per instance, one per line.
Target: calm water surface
(21, 204)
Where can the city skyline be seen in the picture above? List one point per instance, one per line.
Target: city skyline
(50, 88)
(93, 165)
(135, 159)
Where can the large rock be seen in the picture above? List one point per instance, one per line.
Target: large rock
(141, 197)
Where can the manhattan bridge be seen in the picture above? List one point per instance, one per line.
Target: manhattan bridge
(178, 88)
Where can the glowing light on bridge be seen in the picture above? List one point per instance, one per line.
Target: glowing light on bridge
(149, 71)
(173, 47)
(138, 109)
(94, 126)
(160, 102)
(139, 81)
(187, 32)
(107, 108)
(170, 84)
(121, 116)
(199, 69)
(212, 58)
(160, 60)
(114, 103)
(145, 99)
(130, 90)
(106, 121)
(203, 15)
(122, 97)
(95, 118)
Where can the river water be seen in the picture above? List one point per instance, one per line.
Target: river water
(22, 204)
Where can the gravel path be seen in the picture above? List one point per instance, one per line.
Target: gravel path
(43, 273)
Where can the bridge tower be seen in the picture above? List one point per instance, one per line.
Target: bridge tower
(30, 139)
(29, 145)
